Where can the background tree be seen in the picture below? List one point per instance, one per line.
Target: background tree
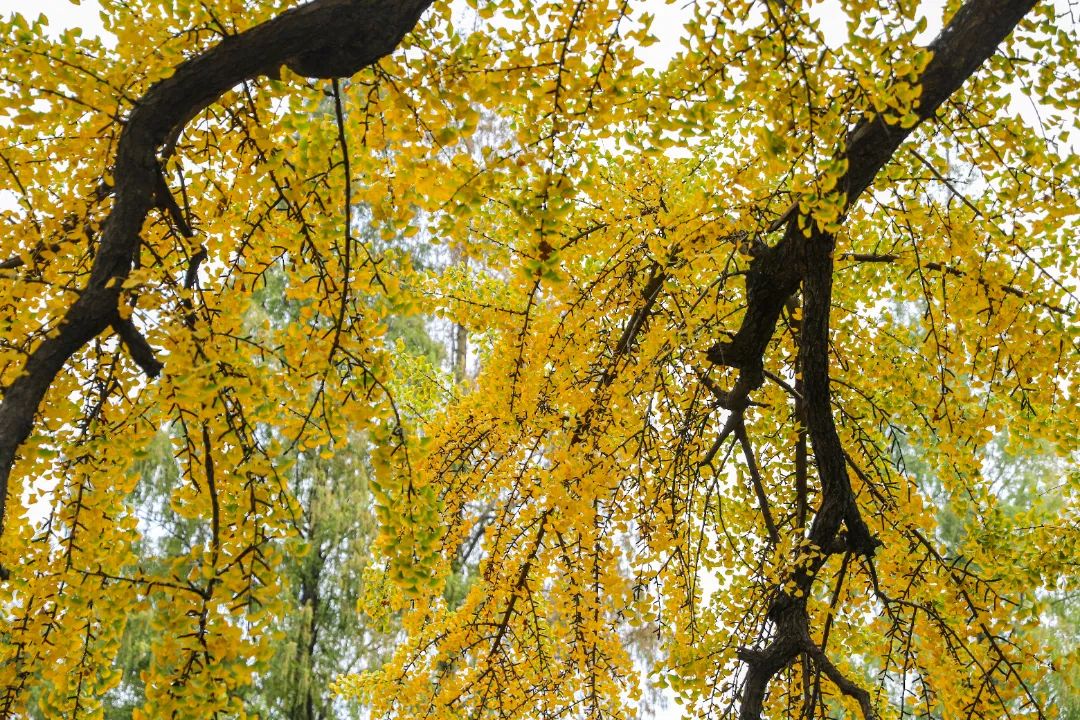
(324, 631)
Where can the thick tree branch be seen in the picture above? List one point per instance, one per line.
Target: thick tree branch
(755, 478)
(191, 276)
(324, 39)
(966, 42)
(775, 274)
(801, 488)
(164, 200)
(725, 433)
(736, 403)
(16, 261)
(846, 686)
(215, 516)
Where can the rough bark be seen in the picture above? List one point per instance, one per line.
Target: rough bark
(776, 273)
(322, 39)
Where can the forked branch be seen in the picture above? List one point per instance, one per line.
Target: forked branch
(775, 274)
(846, 686)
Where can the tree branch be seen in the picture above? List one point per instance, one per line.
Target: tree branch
(323, 38)
(956, 272)
(838, 679)
(137, 347)
(775, 274)
(164, 200)
(801, 488)
(16, 261)
(191, 277)
(215, 511)
(755, 477)
(967, 41)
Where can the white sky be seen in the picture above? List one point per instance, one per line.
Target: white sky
(62, 14)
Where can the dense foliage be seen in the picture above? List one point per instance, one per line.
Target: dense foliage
(756, 333)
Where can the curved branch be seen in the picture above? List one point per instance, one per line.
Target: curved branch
(838, 679)
(322, 39)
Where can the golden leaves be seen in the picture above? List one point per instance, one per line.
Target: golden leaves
(538, 146)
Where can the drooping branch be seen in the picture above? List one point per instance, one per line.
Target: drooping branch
(775, 274)
(322, 39)
(956, 272)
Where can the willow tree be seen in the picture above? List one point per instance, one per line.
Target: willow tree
(716, 299)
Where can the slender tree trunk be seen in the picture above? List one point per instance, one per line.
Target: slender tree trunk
(461, 333)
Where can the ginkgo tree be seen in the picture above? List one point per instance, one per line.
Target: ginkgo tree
(709, 304)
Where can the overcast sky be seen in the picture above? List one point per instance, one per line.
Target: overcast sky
(667, 27)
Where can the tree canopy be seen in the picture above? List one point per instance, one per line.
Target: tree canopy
(753, 334)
